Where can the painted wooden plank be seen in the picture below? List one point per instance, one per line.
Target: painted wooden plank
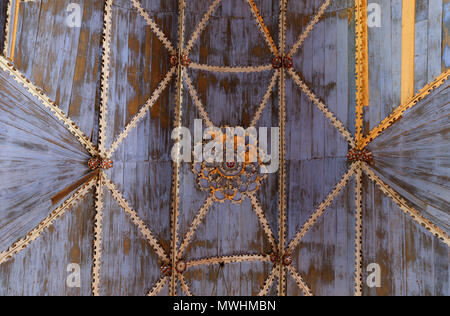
(129, 265)
(446, 35)
(435, 36)
(35, 163)
(72, 80)
(415, 270)
(317, 261)
(408, 45)
(42, 268)
(421, 56)
(413, 155)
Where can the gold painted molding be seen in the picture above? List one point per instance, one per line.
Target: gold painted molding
(408, 49)
(362, 66)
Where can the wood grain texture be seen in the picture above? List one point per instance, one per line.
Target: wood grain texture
(42, 268)
(386, 229)
(38, 158)
(316, 151)
(414, 155)
(73, 56)
(35, 163)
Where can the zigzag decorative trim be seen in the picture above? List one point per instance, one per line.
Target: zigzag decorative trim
(269, 281)
(263, 221)
(228, 260)
(300, 282)
(221, 69)
(362, 66)
(359, 233)
(309, 28)
(184, 285)
(7, 28)
(265, 99)
(158, 286)
(403, 205)
(282, 27)
(201, 26)
(98, 236)
(195, 224)
(46, 223)
(322, 208)
(194, 95)
(142, 112)
(174, 214)
(145, 231)
(282, 218)
(6, 66)
(263, 28)
(323, 108)
(105, 76)
(159, 34)
(398, 113)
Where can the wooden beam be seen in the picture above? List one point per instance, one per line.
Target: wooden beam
(362, 67)
(14, 32)
(408, 49)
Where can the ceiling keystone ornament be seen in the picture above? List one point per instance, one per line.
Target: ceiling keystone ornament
(225, 181)
(231, 180)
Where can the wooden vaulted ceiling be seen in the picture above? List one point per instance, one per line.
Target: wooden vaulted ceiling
(111, 88)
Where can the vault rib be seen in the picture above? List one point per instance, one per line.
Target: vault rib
(106, 61)
(6, 66)
(362, 66)
(197, 102)
(282, 218)
(158, 286)
(195, 224)
(142, 112)
(322, 208)
(183, 284)
(309, 28)
(269, 281)
(156, 30)
(201, 26)
(359, 233)
(399, 111)
(263, 221)
(98, 236)
(300, 282)
(175, 213)
(323, 108)
(265, 99)
(263, 28)
(224, 69)
(145, 231)
(403, 205)
(46, 223)
(228, 260)
(7, 28)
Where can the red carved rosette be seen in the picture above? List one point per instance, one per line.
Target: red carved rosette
(181, 266)
(173, 60)
(94, 163)
(287, 260)
(185, 61)
(288, 63)
(364, 155)
(166, 270)
(107, 164)
(274, 258)
(277, 63)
